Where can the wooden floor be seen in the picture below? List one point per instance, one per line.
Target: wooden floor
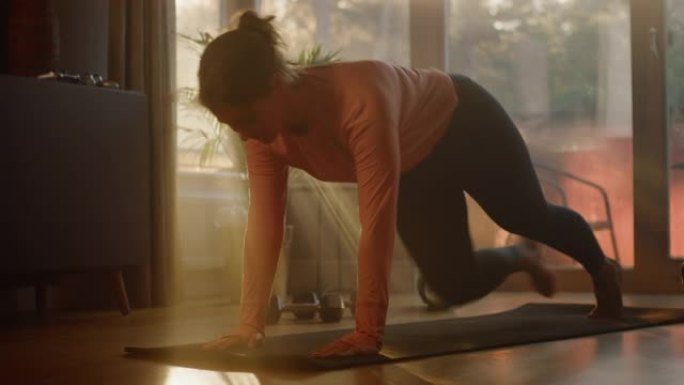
(87, 349)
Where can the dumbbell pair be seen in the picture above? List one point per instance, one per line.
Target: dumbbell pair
(304, 306)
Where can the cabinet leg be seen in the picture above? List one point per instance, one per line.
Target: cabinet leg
(121, 294)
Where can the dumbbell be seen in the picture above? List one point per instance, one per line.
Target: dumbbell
(311, 297)
(351, 304)
(330, 307)
(305, 305)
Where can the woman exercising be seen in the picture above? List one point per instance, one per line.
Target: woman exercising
(414, 141)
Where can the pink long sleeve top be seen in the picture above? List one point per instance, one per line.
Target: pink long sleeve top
(387, 119)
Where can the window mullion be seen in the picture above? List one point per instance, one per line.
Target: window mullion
(428, 32)
(651, 199)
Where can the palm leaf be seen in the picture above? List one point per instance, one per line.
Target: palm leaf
(198, 43)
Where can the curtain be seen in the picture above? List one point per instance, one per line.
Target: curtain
(142, 58)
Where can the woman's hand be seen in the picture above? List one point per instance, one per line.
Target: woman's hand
(239, 338)
(350, 345)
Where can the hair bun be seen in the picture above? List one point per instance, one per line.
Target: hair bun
(249, 20)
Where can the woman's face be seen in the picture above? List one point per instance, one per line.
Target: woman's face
(260, 120)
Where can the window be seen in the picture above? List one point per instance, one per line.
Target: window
(566, 70)
(562, 69)
(359, 29)
(675, 92)
(193, 18)
(211, 206)
(211, 199)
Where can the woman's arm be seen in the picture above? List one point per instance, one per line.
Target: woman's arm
(374, 145)
(263, 239)
(264, 234)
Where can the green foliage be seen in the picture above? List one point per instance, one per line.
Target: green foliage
(315, 56)
(675, 60)
(488, 36)
(198, 43)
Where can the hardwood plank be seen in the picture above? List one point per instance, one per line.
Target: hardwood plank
(86, 348)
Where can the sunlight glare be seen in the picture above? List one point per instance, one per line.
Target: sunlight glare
(193, 3)
(184, 376)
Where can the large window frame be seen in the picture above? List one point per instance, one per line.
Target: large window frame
(654, 269)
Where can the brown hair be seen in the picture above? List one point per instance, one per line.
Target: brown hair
(238, 65)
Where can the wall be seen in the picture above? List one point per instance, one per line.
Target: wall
(83, 35)
(4, 9)
(39, 35)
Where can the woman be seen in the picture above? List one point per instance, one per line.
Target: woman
(414, 141)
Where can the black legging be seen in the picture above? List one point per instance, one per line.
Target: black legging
(483, 154)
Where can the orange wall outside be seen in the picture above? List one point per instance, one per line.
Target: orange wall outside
(611, 166)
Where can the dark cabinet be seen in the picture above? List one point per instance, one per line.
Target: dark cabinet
(76, 177)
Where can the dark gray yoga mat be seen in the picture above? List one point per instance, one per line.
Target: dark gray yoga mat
(530, 323)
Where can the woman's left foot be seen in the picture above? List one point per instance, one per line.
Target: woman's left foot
(543, 280)
(607, 289)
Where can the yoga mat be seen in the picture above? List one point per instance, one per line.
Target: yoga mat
(530, 323)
